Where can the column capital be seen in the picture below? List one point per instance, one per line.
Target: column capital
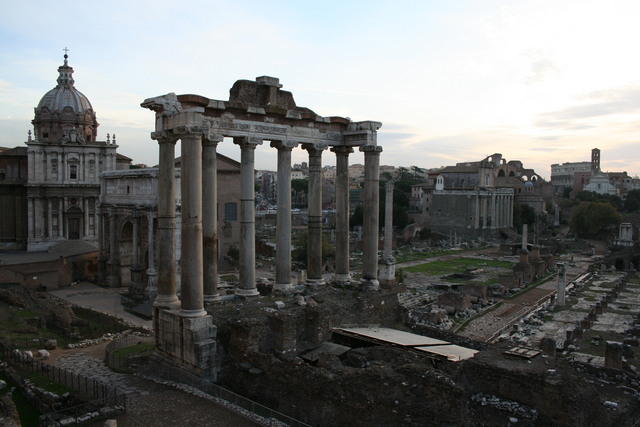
(342, 150)
(318, 147)
(284, 145)
(376, 149)
(210, 138)
(164, 137)
(250, 142)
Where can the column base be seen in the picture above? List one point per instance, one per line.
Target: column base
(386, 272)
(283, 287)
(370, 284)
(315, 282)
(247, 292)
(193, 313)
(167, 301)
(188, 342)
(212, 298)
(342, 277)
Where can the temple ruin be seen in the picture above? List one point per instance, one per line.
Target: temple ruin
(256, 111)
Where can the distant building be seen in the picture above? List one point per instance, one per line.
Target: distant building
(57, 186)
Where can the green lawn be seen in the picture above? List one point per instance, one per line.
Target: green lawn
(134, 349)
(456, 265)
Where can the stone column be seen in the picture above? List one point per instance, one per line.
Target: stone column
(562, 283)
(494, 219)
(166, 224)
(61, 217)
(484, 212)
(247, 285)
(86, 217)
(191, 261)
(314, 227)
(476, 224)
(525, 237)
(60, 168)
(136, 242)
(371, 207)
(31, 226)
(96, 216)
(511, 211)
(342, 213)
(49, 220)
(114, 251)
(283, 228)
(387, 252)
(210, 216)
(151, 266)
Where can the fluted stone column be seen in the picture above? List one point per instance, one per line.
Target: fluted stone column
(85, 220)
(49, 220)
(476, 222)
(166, 225)
(387, 252)
(494, 216)
(151, 265)
(114, 250)
(342, 274)
(314, 227)
(247, 285)
(371, 208)
(484, 212)
(136, 242)
(283, 225)
(191, 261)
(210, 216)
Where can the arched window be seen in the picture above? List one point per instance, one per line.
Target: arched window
(501, 173)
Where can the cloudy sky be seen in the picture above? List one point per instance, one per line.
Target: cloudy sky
(539, 81)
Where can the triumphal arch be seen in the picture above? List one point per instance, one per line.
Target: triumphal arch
(256, 111)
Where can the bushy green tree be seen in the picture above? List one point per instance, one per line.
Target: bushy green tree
(632, 202)
(523, 214)
(592, 219)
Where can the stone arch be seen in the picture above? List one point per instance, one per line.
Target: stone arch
(501, 173)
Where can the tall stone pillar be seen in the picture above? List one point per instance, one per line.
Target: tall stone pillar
(86, 217)
(370, 225)
(476, 223)
(511, 211)
(283, 225)
(494, 216)
(314, 238)
(210, 216)
(342, 213)
(247, 285)
(387, 273)
(61, 217)
(151, 265)
(484, 212)
(191, 259)
(562, 283)
(525, 237)
(114, 277)
(96, 216)
(166, 224)
(49, 220)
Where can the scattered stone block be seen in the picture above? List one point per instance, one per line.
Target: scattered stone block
(279, 305)
(613, 355)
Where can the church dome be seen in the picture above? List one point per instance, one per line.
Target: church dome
(64, 114)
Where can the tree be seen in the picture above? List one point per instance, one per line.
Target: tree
(523, 214)
(592, 219)
(590, 196)
(632, 202)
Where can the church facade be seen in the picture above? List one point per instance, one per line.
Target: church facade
(65, 160)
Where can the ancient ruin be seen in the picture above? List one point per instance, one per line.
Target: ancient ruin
(256, 111)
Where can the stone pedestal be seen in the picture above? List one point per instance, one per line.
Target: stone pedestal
(187, 342)
(613, 355)
(387, 273)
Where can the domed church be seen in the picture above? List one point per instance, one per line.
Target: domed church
(65, 160)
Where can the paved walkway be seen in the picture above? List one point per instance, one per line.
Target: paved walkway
(105, 300)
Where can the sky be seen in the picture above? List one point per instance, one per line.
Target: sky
(452, 81)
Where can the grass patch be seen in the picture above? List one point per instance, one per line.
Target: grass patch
(43, 382)
(456, 265)
(134, 349)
